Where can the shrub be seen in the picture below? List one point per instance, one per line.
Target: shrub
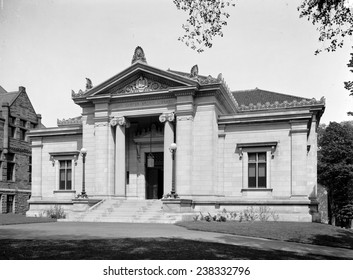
(264, 213)
(250, 214)
(231, 215)
(55, 212)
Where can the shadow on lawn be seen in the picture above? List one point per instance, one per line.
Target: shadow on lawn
(342, 238)
(138, 249)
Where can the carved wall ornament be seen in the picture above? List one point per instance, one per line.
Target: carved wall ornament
(185, 118)
(139, 55)
(122, 121)
(142, 85)
(75, 159)
(100, 124)
(52, 160)
(70, 121)
(208, 80)
(284, 104)
(240, 153)
(167, 117)
(88, 84)
(80, 93)
(194, 71)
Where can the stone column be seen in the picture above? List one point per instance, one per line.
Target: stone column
(120, 165)
(167, 119)
(111, 164)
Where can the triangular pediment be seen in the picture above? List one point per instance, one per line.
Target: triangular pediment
(139, 78)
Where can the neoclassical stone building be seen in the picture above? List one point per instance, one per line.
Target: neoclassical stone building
(234, 149)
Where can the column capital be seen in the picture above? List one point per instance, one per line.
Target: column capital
(167, 117)
(122, 121)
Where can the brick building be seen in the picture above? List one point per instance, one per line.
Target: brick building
(233, 149)
(17, 117)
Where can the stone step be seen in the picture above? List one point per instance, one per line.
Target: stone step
(131, 211)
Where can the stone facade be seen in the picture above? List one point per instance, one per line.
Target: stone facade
(16, 119)
(234, 150)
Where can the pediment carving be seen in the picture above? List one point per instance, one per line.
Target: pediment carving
(142, 84)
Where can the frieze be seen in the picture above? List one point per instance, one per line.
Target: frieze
(145, 103)
(167, 117)
(100, 124)
(284, 104)
(185, 118)
(142, 85)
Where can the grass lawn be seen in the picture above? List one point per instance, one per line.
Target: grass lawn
(11, 219)
(140, 249)
(311, 233)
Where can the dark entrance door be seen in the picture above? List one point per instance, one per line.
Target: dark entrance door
(9, 207)
(154, 177)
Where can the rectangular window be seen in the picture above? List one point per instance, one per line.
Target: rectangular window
(12, 120)
(257, 170)
(10, 173)
(65, 176)
(10, 203)
(22, 134)
(30, 169)
(12, 131)
(22, 123)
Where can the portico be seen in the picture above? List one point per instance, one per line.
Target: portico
(136, 139)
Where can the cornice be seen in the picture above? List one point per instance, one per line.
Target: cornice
(262, 117)
(55, 131)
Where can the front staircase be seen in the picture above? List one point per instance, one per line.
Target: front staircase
(126, 211)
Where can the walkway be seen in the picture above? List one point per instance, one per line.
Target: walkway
(73, 230)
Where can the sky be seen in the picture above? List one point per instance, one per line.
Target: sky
(51, 46)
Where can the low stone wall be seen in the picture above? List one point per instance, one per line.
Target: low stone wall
(294, 211)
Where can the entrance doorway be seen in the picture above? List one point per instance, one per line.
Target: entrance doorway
(154, 177)
(9, 204)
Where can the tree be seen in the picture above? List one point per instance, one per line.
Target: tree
(206, 19)
(335, 170)
(349, 85)
(333, 18)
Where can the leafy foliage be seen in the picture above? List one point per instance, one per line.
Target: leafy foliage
(206, 19)
(250, 214)
(55, 212)
(333, 18)
(335, 169)
(349, 85)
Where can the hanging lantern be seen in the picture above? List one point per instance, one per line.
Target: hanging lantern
(150, 160)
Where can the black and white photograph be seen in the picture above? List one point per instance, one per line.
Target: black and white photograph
(174, 139)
